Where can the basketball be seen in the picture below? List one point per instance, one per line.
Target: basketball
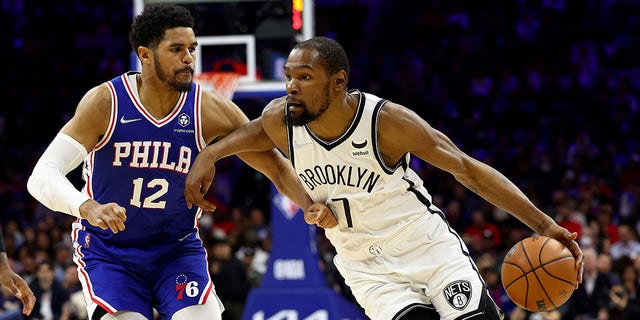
(539, 274)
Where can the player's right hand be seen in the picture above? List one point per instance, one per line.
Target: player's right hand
(199, 180)
(320, 214)
(569, 239)
(104, 216)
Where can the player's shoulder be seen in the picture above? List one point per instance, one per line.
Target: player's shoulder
(278, 102)
(274, 112)
(97, 98)
(392, 109)
(100, 91)
(395, 115)
(275, 107)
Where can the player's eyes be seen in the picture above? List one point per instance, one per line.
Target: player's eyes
(298, 77)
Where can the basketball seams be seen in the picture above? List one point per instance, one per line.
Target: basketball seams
(542, 266)
(522, 275)
(533, 269)
(535, 274)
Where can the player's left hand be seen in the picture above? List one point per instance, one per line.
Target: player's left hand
(19, 288)
(320, 214)
(569, 239)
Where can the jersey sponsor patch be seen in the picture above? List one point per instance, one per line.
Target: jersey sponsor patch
(184, 119)
(359, 145)
(458, 294)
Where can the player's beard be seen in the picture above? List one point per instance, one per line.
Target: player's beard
(305, 116)
(179, 86)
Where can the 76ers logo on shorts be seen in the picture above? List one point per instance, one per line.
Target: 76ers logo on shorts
(186, 287)
(458, 294)
(181, 285)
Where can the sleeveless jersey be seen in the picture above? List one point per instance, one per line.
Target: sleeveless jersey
(372, 201)
(141, 164)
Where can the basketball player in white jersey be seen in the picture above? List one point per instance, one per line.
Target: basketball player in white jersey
(136, 242)
(351, 151)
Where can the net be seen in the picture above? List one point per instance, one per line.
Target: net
(222, 82)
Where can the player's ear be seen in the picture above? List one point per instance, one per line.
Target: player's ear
(340, 79)
(143, 53)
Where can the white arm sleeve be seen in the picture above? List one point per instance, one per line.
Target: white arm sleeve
(48, 182)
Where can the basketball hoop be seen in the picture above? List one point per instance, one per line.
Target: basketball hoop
(222, 82)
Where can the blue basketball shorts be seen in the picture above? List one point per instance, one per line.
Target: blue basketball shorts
(167, 276)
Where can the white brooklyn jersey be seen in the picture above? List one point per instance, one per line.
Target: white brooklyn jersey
(373, 202)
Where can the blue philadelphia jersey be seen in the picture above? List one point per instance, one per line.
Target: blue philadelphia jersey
(141, 164)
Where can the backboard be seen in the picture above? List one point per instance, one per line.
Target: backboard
(257, 34)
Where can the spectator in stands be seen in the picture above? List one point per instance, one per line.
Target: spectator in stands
(230, 277)
(605, 266)
(481, 234)
(591, 299)
(50, 294)
(565, 216)
(628, 246)
(622, 307)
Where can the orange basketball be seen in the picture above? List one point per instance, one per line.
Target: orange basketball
(539, 273)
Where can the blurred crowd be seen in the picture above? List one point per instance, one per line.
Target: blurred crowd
(545, 91)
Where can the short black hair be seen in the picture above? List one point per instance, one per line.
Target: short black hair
(149, 26)
(333, 58)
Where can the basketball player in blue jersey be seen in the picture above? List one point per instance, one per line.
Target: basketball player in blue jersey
(351, 151)
(14, 282)
(136, 241)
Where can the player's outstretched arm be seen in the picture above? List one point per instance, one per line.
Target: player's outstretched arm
(256, 147)
(437, 149)
(248, 138)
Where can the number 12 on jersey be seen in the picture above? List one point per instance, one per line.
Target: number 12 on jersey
(150, 202)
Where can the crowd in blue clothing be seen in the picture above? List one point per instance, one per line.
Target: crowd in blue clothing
(547, 91)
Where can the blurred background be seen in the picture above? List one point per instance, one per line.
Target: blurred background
(545, 91)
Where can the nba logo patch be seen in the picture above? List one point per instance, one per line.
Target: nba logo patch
(458, 294)
(87, 240)
(287, 207)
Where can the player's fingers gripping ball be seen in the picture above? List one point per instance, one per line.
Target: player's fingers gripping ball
(539, 274)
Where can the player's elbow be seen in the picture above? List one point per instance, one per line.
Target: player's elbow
(36, 182)
(40, 178)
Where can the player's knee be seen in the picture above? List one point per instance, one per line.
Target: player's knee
(490, 310)
(211, 310)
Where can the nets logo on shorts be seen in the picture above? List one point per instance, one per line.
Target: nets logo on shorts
(458, 294)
